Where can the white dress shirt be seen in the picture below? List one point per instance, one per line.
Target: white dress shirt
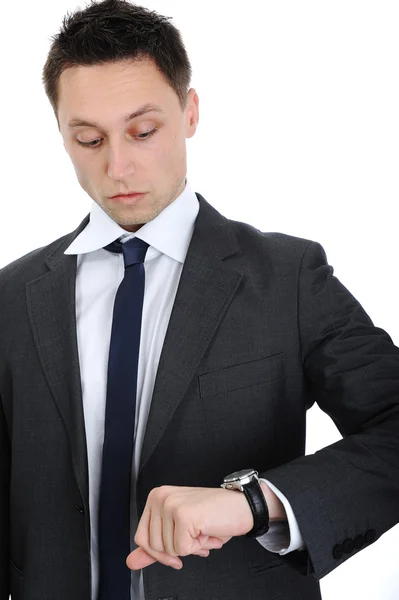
(99, 273)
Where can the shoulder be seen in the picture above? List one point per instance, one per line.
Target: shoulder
(30, 260)
(276, 244)
(30, 266)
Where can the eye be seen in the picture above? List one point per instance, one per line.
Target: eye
(92, 144)
(148, 134)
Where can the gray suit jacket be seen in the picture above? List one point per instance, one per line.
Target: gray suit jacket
(260, 330)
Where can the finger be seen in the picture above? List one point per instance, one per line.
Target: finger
(224, 538)
(161, 557)
(203, 553)
(221, 539)
(155, 532)
(184, 541)
(142, 534)
(210, 542)
(168, 533)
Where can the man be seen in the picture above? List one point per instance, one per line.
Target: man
(160, 348)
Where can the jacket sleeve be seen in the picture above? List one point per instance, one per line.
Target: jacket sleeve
(346, 495)
(4, 507)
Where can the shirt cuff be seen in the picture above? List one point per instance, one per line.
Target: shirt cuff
(283, 536)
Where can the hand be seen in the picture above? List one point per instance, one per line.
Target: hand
(178, 521)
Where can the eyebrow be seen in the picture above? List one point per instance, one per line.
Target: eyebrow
(146, 108)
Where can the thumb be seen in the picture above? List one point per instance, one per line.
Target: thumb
(138, 559)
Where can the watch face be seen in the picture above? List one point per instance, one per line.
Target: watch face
(237, 475)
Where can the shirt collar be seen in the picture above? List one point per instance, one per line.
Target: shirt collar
(169, 233)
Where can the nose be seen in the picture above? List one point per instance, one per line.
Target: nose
(120, 163)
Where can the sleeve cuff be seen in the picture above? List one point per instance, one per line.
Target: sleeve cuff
(282, 537)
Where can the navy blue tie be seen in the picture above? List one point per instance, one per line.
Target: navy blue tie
(114, 506)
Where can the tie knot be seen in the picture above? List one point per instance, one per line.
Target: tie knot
(134, 250)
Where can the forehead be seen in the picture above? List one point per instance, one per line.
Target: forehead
(112, 89)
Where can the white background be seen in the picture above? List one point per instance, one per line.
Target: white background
(298, 133)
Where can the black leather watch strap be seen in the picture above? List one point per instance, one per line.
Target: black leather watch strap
(260, 512)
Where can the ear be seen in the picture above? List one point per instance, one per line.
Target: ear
(192, 111)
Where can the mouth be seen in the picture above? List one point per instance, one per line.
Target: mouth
(128, 195)
(128, 198)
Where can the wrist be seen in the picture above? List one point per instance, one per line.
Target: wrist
(238, 506)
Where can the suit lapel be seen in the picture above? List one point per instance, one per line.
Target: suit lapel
(51, 307)
(206, 288)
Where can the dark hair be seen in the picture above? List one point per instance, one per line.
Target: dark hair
(115, 30)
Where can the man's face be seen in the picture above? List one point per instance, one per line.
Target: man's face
(122, 157)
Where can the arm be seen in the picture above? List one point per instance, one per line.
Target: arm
(346, 495)
(4, 507)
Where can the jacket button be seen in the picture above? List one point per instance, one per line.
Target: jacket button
(370, 536)
(79, 508)
(359, 541)
(348, 545)
(337, 551)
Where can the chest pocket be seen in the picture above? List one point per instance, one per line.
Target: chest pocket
(242, 375)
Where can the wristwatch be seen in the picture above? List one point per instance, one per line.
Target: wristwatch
(247, 481)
